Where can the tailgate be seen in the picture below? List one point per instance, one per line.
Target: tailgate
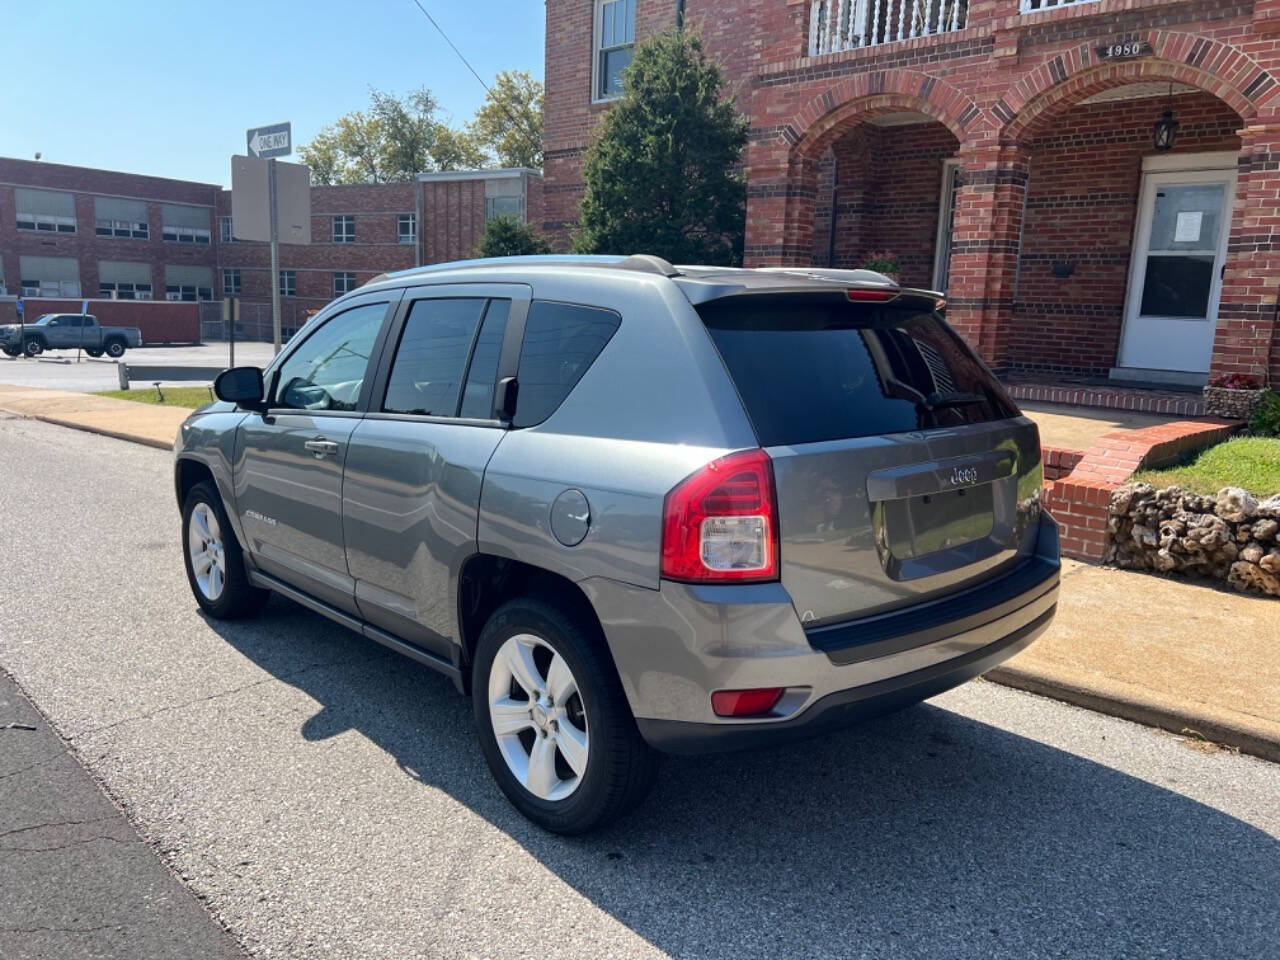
(902, 469)
(870, 524)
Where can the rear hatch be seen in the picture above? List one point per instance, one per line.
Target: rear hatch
(903, 470)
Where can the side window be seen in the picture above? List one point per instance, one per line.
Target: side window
(328, 369)
(477, 395)
(561, 341)
(426, 374)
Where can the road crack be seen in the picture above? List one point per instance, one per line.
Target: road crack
(64, 846)
(59, 823)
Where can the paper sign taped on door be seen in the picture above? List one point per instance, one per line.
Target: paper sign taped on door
(1188, 228)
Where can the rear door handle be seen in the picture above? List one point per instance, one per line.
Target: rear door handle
(321, 447)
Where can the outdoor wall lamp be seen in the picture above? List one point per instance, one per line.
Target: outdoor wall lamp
(1166, 128)
(1166, 131)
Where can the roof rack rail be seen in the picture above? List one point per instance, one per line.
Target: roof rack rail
(649, 264)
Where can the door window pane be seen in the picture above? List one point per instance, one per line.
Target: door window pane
(560, 342)
(426, 375)
(1177, 286)
(477, 397)
(328, 369)
(1187, 217)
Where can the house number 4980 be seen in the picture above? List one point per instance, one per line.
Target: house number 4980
(1128, 48)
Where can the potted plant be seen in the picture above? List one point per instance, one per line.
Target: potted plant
(1233, 396)
(885, 263)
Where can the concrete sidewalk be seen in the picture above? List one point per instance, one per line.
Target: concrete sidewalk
(1166, 652)
(154, 425)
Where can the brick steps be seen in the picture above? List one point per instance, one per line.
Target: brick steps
(1078, 495)
(1111, 398)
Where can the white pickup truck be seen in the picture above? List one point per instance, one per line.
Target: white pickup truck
(67, 331)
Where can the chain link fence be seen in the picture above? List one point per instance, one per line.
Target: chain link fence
(255, 321)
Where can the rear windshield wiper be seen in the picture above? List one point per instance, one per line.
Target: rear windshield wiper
(935, 400)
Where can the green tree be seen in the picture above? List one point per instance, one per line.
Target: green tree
(509, 122)
(392, 141)
(663, 176)
(508, 237)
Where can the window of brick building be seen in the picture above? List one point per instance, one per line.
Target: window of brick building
(343, 282)
(408, 227)
(495, 207)
(46, 211)
(615, 34)
(224, 230)
(344, 228)
(183, 223)
(118, 217)
(288, 283)
(124, 280)
(189, 283)
(231, 282)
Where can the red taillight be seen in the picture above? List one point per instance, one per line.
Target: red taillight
(859, 295)
(745, 703)
(721, 523)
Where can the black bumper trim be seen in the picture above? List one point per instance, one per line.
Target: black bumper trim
(846, 707)
(893, 632)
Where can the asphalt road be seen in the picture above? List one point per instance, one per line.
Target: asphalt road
(59, 369)
(75, 880)
(326, 798)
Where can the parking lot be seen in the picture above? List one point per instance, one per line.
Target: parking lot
(326, 798)
(61, 370)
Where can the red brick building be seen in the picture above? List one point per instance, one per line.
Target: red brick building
(1001, 150)
(73, 232)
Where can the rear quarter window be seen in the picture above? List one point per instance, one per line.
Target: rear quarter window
(811, 368)
(561, 341)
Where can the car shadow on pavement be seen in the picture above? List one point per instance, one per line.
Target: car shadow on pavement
(925, 832)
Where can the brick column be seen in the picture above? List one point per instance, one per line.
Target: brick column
(985, 244)
(1251, 281)
(781, 190)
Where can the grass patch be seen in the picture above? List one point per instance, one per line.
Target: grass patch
(190, 397)
(1249, 462)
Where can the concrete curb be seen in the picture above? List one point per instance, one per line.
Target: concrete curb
(102, 431)
(1115, 698)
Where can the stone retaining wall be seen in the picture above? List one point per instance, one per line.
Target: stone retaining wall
(1230, 536)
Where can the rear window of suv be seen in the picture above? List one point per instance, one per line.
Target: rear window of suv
(812, 367)
(561, 340)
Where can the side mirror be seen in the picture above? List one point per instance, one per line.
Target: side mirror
(505, 398)
(241, 386)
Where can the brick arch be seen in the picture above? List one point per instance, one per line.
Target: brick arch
(837, 110)
(1061, 83)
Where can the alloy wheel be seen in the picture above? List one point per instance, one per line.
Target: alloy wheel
(204, 546)
(538, 718)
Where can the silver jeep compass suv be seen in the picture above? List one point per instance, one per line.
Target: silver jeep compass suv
(631, 507)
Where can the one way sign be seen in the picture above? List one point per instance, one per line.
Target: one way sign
(273, 141)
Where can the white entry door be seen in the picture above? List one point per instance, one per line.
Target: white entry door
(1176, 275)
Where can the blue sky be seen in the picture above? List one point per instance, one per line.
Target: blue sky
(168, 88)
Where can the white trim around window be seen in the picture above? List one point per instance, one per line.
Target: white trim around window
(613, 33)
(344, 228)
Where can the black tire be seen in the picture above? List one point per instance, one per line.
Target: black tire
(93, 351)
(12, 352)
(114, 348)
(33, 347)
(621, 767)
(238, 598)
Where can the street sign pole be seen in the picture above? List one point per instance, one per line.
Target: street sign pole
(275, 255)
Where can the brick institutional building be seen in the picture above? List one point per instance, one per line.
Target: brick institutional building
(72, 232)
(1001, 150)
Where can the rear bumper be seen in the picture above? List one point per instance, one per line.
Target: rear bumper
(673, 647)
(843, 708)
